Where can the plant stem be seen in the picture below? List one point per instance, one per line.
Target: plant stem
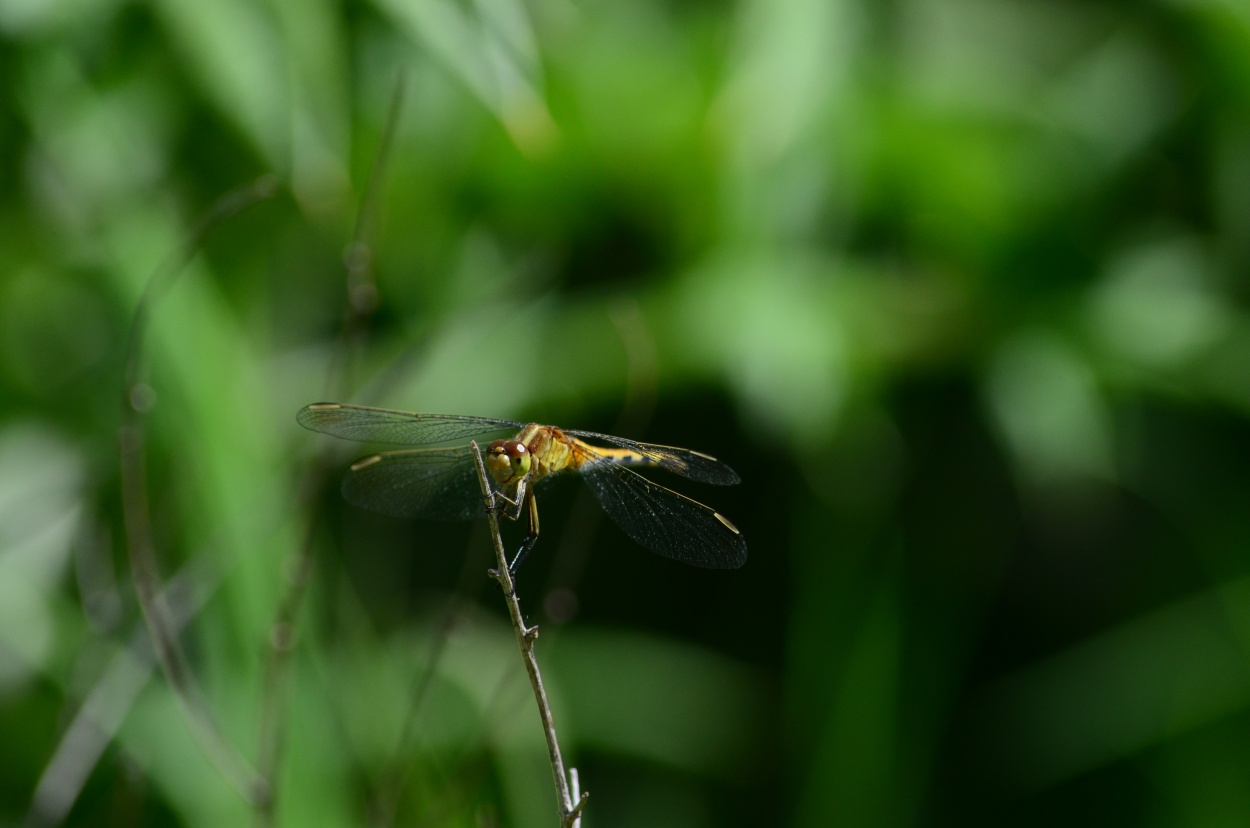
(137, 397)
(570, 813)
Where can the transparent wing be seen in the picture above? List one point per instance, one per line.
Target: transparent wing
(432, 484)
(382, 425)
(664, 521)
(690, 464)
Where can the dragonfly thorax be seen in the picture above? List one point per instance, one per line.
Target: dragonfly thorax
(508, 461)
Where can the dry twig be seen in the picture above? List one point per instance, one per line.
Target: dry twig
(362, 301)
(570, 812)
(144, 569)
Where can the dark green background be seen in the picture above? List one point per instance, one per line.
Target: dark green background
(959, 289)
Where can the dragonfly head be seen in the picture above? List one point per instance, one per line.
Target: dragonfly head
(508, 460)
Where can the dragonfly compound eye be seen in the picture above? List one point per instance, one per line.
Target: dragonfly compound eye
(507, 460)
(520, 457)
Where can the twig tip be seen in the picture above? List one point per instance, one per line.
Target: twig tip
(576, 813)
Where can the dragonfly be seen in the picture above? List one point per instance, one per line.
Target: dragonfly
(440, 482)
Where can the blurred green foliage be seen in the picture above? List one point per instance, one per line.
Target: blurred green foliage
(959, 288)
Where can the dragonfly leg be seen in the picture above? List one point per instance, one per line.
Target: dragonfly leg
(531, 537)
(509, 508)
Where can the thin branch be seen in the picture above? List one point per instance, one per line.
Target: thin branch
(570, 813)
(136, 400)
(281, 644)
(362, 301)
(362, 286)
(403, 757)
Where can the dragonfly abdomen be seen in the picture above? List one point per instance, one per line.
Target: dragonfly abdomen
(619, 456)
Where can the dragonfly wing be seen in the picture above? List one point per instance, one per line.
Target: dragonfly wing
(664, 521)
(383, 425)
(690, 464)
(432, 484)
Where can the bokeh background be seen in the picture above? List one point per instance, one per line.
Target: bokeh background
(957, 286)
